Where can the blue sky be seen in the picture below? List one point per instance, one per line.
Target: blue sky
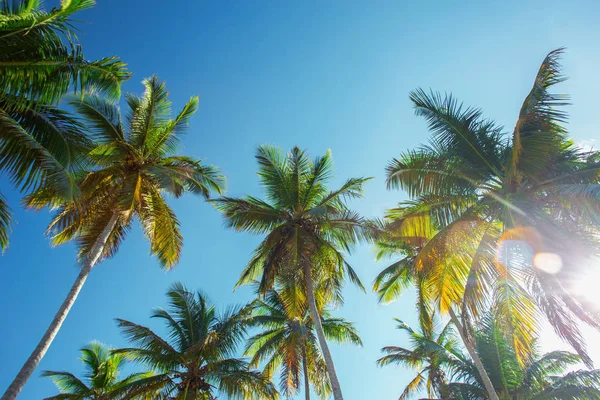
(319, 75)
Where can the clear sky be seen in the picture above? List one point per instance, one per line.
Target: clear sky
(320, 75)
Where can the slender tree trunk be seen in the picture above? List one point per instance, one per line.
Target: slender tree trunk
(305, 367)
(489, 387)
(316, 318)
(38, 353)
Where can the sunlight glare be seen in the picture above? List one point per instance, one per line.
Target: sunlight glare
(549, 263)
(589, 286)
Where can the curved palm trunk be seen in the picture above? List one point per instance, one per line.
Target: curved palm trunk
(306, 380)
(489, 387)
(38, 353)
(316, 318)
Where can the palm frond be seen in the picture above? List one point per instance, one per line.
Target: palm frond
(152, 348)
(461, 131)
(250, 214)
(393, 280)
(102, 117)
(5, 217)
(538, 133)
(148, 113)
(164, 140)
(341, 331)
(67, 382)
(29, 163)
(161, 227)
(189, 174)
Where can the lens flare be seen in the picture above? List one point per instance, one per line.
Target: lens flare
(549, 263)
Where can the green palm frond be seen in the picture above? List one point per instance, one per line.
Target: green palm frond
(300, 217)
(461, 132)
(66, 381)
(243, 384)
(351, 189)
(538, 133)
(424, 172)
(162, 229)
(443, 368)
(190, 175)
(42, 154)
(102, 117)
(577, 385)
(432, 354)
(553, 363)
(250, 214)
(148, 113)
(415, 386)
(128, 180)
(518, 311)
(393, 280)
(150, 346)
(195, 359)
(40, 62)
(148, 386)
(274, 173)
(101, 377)
(477, 187)
(340, 331)
(286, 341)
(5, 215)
(164, 141)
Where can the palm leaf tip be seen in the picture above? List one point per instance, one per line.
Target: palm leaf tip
(5, 216)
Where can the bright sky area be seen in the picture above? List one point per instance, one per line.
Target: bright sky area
(319, 75)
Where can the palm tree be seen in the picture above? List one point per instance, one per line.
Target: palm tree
(306, 226)
(195, 361)
(542, 377)
(287, 342)
(404, 233)
(430, 353)
(101, 375)
(520, 210)
(135, 166)
(40, 62)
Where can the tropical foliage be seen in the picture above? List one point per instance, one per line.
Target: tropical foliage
(510, 204)
(287, 342)
(40, 62)
(134, 165)
(101, 377)
(452, 375)
(496, 231)
(307, 227)
(428, 356)
(195, 360)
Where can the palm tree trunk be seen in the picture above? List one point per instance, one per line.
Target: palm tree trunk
(38, 353)
(316, 318)
(305, 367)
(489, 387)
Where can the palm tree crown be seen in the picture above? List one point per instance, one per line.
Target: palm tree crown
(100, 379)
(428, 355)
(505, 202)
(307, 227)
(40, 62)
(136, 164)
(195, 360)
(288, 342)
(301, 217)
(543, 377)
